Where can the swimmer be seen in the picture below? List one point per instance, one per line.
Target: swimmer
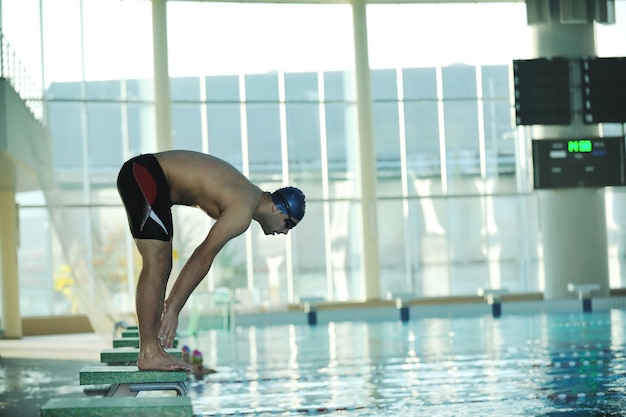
(186, 353)
(149, 185)
(199, 370)
(196, 359)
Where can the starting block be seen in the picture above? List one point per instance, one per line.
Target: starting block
(403, 303)
(128, 381)
(119, 406)
(310, 305)
(584, 293)
(494, 298)
(132, 342)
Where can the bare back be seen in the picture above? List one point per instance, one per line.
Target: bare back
(197, 179)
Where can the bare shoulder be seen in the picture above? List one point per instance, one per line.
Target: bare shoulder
(198, 179)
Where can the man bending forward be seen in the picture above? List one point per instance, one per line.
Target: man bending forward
(149, 185)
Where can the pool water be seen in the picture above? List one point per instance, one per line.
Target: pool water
(524, 365)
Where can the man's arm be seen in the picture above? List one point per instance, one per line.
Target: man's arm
(229, 225)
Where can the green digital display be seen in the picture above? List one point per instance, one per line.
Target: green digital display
(579, 146)
(579, 162)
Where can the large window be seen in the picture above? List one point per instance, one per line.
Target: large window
(445, 143)
(280, 108)
(270, 88)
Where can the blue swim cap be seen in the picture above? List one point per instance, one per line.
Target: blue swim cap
(290, 201)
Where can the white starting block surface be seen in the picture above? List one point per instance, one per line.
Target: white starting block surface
(492, 295)
(583, 290)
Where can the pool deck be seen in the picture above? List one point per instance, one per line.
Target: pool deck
(80, 346)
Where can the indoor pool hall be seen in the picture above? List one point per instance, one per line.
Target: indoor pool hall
(291, 208)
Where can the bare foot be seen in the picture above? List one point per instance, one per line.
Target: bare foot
(162, 361)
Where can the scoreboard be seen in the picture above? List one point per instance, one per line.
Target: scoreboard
(545, 89)
(542, 91)
(604, 90)
(578, 162)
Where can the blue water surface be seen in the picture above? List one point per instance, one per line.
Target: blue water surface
(523, 365)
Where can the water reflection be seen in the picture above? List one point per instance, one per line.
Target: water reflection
(26, 384)
(515, 366)
(587, 364)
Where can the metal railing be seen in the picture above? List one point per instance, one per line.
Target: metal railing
(12, 70)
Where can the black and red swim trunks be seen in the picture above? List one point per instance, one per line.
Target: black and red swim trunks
(146, 196)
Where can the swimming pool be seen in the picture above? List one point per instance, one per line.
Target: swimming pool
(519, 365)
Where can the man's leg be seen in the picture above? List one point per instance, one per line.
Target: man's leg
(156, 267)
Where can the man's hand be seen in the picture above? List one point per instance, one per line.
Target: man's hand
(169, 324)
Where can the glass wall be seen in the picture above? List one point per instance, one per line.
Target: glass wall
(445, 143)
(607, 46)
(270, 88)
